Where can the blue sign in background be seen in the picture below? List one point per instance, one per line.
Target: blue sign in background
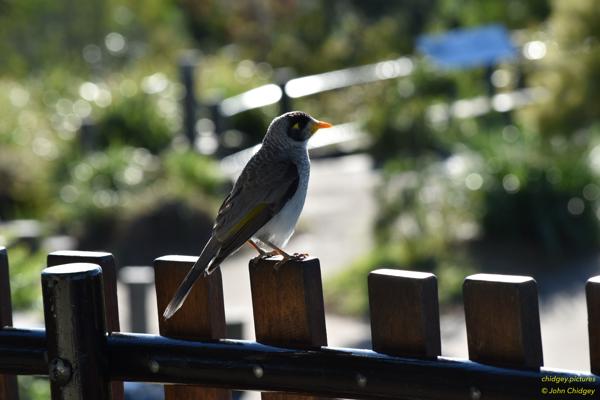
(468, 48)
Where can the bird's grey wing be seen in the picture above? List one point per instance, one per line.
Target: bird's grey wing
(258, 195)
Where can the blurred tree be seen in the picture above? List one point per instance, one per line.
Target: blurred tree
(36, 33)
(571, 69)
(515, 14)
(309, 36)
(133, 121)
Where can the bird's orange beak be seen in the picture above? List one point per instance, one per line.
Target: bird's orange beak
(321, 125)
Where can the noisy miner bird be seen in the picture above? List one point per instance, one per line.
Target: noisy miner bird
(265, 202)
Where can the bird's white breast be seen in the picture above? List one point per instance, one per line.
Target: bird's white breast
(281, 227)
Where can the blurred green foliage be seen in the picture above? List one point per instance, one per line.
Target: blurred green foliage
(33, 388)
(103, 190)
(132, 121)
(25, 267)
(515, 14)
(570, 70)
(504, 186)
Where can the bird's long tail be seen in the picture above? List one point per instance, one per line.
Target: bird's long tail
(203, 266)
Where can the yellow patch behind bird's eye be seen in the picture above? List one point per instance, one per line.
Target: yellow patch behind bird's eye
(296, 125)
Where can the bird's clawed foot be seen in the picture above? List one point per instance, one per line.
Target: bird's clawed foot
(288, 257)
(266, 254)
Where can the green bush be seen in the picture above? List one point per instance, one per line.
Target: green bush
(25, 268)
(398, 120)
(570, 71)
(33, 388)
(508, 188)
(133, 121)
(25, 190)
(546, 195)
(191, 174)
(104, 191)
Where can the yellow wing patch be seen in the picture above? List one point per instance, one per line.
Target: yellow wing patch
(247, 218)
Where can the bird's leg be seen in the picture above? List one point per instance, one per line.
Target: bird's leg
(261, 253)
(286, 257)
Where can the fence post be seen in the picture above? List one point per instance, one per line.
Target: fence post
(202, 316)
(288, 308)
(217, 117)
(8, 383)
(106, 261)
(282, 76)
(138, 280)
(592, 294)
(76, 332)
(87, 135)
(503, 320)
(187, 67)
(404, 310)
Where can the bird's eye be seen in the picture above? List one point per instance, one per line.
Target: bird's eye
(296, 125)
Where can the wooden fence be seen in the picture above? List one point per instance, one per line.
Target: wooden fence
(86, 357)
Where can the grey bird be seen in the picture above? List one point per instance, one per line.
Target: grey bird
(263, 207)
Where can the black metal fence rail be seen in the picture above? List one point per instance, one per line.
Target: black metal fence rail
(326, 371)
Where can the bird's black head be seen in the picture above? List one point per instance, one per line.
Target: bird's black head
(294, 128)
(299, 125)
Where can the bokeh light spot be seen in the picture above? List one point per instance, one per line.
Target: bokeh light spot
(576, 206)
(473, 181)
(115, 42)
(511, 183)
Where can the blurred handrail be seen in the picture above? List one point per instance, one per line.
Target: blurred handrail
(311, 84)
(254, 98)
(481, 105)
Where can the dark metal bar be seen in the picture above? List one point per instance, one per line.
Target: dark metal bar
(23, 351)
(76, 332)
(326, 372)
